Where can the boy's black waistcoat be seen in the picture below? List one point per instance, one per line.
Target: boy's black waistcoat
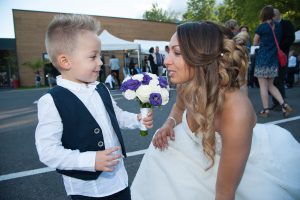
(80, 129)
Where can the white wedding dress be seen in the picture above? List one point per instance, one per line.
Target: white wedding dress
(178, 173)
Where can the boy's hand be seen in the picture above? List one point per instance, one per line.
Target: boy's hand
(148, 120)
(106, 160)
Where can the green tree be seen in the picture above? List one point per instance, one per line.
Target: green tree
(35, 65)
(160, 15)
(200, 10)
(247, 12)
(223, 13)
(8, 63)
(290, 10)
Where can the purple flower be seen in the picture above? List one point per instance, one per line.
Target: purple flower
(124, 87)
(162, 82)
(146, 79)
(132, 84)
(155, 99)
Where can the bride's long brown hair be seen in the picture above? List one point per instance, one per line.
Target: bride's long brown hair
(220, 65)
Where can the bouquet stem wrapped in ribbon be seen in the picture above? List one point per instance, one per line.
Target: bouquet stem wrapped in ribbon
(144, 109)
(149, 90)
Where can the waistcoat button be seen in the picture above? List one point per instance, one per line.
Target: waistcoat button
(100, 144)
(97, 130)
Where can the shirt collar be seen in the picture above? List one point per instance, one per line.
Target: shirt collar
(71, 85)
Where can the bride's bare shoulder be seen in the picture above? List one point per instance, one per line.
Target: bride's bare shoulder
(238, 106)
(236, 97)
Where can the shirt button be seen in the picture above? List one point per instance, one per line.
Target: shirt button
(97, 130)
(100, 144)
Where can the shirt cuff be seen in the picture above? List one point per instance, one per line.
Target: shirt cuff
(135, 121)
(86, 161)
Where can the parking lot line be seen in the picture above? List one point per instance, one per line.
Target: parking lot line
(129, 154)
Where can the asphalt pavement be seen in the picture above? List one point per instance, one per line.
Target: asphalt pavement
(24, 177)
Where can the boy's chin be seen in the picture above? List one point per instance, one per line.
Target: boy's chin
(92, 80)
(88, 81)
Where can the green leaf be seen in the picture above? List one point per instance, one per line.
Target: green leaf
(160, 15)
(35, 65)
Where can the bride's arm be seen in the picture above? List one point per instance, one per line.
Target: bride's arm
(160, 139)
(236, 126)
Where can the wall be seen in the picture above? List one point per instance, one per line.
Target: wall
(30, 28)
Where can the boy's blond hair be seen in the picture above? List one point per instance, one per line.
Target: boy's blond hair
(63, 31)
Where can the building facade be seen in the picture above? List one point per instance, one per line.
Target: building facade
(8, 67)
(30, 28)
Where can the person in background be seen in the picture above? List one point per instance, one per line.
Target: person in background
(159, 61)
(146, 67)
(266, 62)
(114, 65)
(165, 72)
(233, 26)
(152, 61)
(252, 80)
(126, 64)
(292, 69)
(287, 39)
(37, 79)
(110, 80)
(137, 68)
(248, 42)
(78, 131)
(167, 49)
(51, 80)
(102, 70)
(1, 80)
(134, 68)
(298, 70)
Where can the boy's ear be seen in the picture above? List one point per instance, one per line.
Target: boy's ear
(64, 62)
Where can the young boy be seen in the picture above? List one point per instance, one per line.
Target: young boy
(78, 131)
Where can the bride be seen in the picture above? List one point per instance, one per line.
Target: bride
(219, 151)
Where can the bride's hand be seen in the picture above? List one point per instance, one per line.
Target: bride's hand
(162, 135)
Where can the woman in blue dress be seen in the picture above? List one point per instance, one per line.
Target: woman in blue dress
(266, 64)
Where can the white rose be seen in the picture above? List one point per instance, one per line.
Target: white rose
(129, 94)
(126, 79)
(155, 88)
(153, 76)
(165, 96)
(153, 82)
(138, 77)
(143, 93)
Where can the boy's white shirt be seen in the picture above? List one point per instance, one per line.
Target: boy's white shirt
(51, 152)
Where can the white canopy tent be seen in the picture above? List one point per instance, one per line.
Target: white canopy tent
(147, 44)
(110, 42)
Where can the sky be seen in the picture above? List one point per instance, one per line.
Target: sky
(112, 8)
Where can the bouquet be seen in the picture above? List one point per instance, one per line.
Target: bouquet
(149, 90)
